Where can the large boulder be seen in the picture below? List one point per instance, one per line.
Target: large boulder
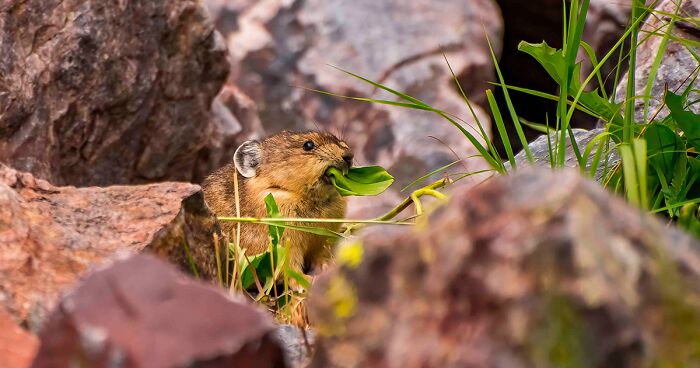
(17, 346)
(50, 235)
(99, 93)
(141, 312)
(279, 46)
(534, 269)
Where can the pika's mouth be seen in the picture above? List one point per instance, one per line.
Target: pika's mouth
(326, 177)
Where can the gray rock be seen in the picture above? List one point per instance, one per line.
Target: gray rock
(295, 344)
(540, 152)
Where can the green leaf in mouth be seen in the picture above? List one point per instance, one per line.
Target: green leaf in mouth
(360, 181)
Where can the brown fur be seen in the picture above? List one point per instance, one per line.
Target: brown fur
(296, 179)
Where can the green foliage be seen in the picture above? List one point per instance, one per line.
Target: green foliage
(672, 158)
(266, 267)
(658, 164)
(361, 181)
(593, 103)
(686, 120)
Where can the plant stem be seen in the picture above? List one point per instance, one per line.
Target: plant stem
(408, 200)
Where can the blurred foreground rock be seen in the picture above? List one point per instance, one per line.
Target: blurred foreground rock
(17, 346)
(534, 269)
(49, 235)
(140, 312)
(101, 93)
(278, 46)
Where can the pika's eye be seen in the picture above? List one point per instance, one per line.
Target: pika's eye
(308, 145)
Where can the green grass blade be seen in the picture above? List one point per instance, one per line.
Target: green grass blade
(640, 155)
(630, 174)
(629, 104)
(511, 109)
(489, 143)
(430, 174)
(656, 64)
(594, 63)
(498, 120)
(383, 87)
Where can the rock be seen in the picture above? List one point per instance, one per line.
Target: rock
(17, 346)
(236, 120)
(50, 235)
(540, 152)
(101, 93)
(141, 312)
(678, 65)
(279, 46)
(534, 269)
(296, 344)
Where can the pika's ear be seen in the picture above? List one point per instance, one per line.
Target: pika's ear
(247, 158)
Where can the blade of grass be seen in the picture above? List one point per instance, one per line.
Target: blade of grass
(594, 63)
(309, 220)
(383, 87)
(500, 125)
(497, 165)
(190, 260)
(632, 59)
(511, 109)
(656, 64)
(640, 155)
(492, 149)
(429, 175)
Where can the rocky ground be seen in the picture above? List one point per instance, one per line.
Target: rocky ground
(109, 110)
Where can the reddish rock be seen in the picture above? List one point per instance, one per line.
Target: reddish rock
(17, 346)
(49, 235)
(535, 269)
(101, 93)
(279, 46)
(141, 312)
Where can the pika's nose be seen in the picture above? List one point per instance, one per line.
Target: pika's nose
(347, 157)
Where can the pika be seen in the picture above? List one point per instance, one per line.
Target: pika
(292, 167)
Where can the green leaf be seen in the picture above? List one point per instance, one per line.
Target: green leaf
(273, 211)
(247, 274)
(664, 147)
(360, 181)
(688, 121)
(300, 279)
(263, 268)
(552, 60)
(675, 193)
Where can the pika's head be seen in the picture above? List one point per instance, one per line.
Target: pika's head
(291, 161)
